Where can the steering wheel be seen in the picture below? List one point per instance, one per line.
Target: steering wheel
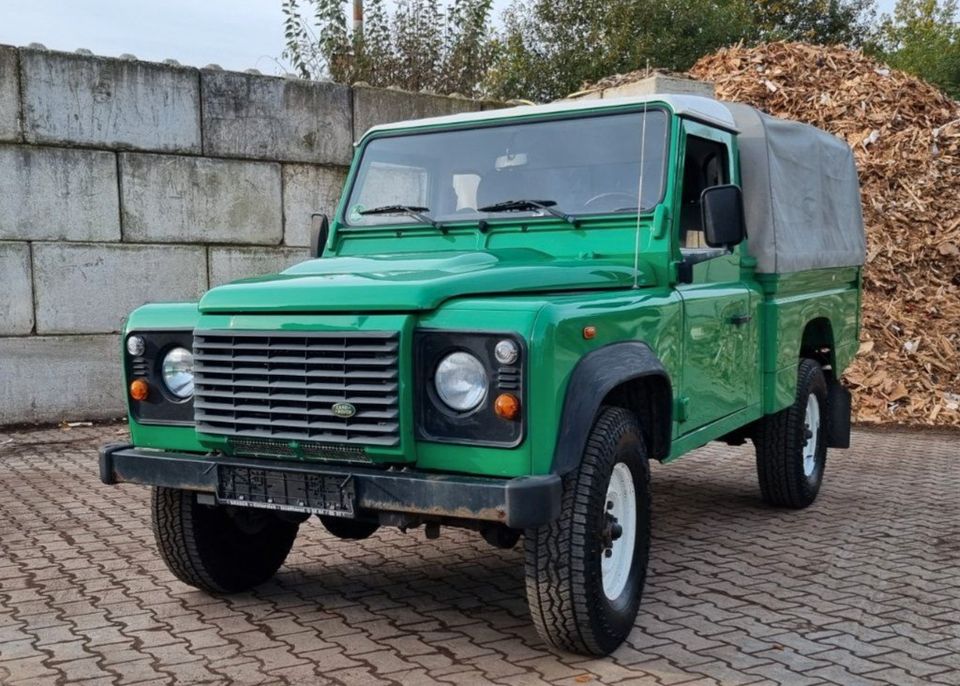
(612, 194)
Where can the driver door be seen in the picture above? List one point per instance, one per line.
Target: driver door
(720, 344)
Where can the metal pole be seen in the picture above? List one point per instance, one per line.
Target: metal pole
(357, 16)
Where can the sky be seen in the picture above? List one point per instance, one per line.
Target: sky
(236, 34)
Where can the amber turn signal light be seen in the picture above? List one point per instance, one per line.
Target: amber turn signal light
(139, 390)
(507, 406)
(589, 332)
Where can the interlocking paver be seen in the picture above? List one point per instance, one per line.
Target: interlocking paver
(861, 588)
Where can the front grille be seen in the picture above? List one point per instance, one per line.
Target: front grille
(283, 386)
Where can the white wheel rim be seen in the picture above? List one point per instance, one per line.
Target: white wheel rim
(615, 567)
(811, 421)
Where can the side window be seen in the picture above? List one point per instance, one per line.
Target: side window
(705, 164)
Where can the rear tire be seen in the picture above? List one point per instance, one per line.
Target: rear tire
(218, 549)
(791, 445)
(582, 599)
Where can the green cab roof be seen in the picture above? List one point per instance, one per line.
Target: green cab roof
(696, 107)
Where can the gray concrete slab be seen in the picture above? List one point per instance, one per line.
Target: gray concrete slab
(85, 288)
(373, 106)
(179, 199)
(308, 189)
(16, 294)
(52, 378)
(229, 264)
(266, 117)
(113, 103)
(9, 94)
(58, 194)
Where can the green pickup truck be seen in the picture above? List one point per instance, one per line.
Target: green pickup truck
(511, 313)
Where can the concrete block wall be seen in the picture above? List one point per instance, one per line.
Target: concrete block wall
(125, 182)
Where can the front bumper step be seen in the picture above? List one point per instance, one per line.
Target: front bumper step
(520, 502)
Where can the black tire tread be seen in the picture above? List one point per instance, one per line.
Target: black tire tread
(554, 554)
(778, 439)
(186, 548)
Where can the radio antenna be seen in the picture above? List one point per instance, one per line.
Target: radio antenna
(636, 239)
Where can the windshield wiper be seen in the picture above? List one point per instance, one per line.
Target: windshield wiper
(409, 210)
(522, 205)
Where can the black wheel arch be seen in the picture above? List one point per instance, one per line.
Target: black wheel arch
(627, 374)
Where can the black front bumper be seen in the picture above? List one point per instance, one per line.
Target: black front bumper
(519, 502)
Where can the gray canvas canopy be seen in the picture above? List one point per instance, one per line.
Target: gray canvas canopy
(800, 193)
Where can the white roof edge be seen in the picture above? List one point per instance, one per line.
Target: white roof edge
(693, 106)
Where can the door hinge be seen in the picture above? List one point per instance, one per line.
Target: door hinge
(680, 408)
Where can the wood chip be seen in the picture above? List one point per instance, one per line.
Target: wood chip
(905, 134)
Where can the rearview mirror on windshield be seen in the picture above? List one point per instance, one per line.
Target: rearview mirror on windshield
(510, 160)
(721, 210)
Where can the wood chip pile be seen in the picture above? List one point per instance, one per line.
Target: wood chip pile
(905, 134)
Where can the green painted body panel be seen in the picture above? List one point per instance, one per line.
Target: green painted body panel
(545, 281)
(417, 281)
(791, 301)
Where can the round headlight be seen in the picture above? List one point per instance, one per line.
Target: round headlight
(461, 381)
(177, 370)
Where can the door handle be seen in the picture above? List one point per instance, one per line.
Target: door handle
(740, 319)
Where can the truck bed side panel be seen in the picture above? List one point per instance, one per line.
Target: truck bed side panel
(791, 303)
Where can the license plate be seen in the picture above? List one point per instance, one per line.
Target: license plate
(324, 494)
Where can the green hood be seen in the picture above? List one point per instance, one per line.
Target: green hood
(405, 283)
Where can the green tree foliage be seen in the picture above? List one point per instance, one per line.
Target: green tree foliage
(825, 22)
(923, 38)
(545, 49)
(549, 48)
(421, 45)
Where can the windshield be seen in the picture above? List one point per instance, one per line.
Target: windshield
(588, 165)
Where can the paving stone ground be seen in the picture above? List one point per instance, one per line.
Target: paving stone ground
(862, 588)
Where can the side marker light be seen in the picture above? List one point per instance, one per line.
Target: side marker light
(139, 389)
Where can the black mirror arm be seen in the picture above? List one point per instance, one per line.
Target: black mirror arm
(685, 266)
(319, 232)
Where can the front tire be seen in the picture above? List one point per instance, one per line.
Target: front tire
(218, 549)
(585, 571)
(791, 445)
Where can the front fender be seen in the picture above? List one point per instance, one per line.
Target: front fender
(618, 366)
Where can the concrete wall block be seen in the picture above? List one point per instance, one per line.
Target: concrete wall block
(660, 83)
(169, 198)
(16, 290)
(9, 94)
(58, 194)
(108, 102)
(85, 371)
(230, 264)
(263, 117)
(308, 189)
(84, 288)
(372, 106)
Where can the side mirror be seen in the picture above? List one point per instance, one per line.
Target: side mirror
(319, 232)
(721, 210)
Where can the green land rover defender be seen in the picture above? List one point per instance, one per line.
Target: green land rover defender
(511, 313)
